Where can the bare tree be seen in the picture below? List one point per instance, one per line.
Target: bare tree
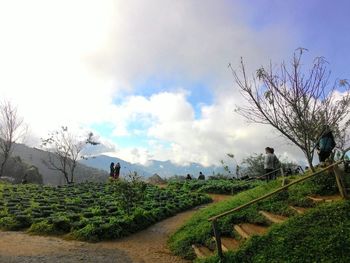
(227, 168)
(64, 151)
(296, 104)
(253, 165)
(12, 129)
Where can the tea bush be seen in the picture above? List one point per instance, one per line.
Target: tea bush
(91, 211)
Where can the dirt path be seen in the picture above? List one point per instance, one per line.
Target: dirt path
(147, 246)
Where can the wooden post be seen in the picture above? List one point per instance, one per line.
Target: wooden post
(283, 178)
(217, 239)
(340, 182)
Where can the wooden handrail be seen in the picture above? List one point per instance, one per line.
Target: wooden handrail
(274, 192)
(271, 172)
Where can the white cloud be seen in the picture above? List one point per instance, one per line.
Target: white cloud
(43, 49)
(185, 40)
(177, 135)
(64, 63)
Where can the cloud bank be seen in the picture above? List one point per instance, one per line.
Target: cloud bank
(89, 64)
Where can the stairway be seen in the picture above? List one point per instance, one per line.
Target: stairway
(202, 251)
(322, 199)
(247, 230)
(298, 209)
(273, 218)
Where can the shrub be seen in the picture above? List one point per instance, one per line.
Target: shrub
(42, 227)
(9, 223)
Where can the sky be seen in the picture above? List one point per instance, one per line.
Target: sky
(150, 78)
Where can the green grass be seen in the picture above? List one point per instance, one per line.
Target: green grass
(199, 231)
(321, 235)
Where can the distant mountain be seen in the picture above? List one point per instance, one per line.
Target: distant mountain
(35, 156)
(162, 168)
(103, 162)
(97, 168)
(167, 169)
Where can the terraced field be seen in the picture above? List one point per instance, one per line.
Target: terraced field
(91, 211)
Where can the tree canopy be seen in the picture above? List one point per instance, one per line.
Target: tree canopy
(297, 103)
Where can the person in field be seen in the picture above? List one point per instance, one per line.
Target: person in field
(268, 163)
(325, 144)
(116, 171)
(276, 163)
(201, 176)
(111, 167)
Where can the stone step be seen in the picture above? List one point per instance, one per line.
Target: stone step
(247, 230)
(324, 198)
(273, 217)
(202, 251)
(298, 209)
(228, 243)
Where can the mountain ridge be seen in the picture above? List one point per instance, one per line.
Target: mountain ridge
(162, 168)
(34, 156)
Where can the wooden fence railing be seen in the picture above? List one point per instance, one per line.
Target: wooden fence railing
(340, 183)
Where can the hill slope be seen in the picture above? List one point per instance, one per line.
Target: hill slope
(16, 170)
(321, 228)
(35, 156)
(322, 235)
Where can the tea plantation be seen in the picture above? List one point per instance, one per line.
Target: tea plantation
(91, 211)
(217, 186)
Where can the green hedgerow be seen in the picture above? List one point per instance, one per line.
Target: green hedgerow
(9, 223)
(42, 227)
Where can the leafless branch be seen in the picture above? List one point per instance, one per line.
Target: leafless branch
(296, 104)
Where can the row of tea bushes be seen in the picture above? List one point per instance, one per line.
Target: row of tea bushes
(219, 186)
(91, 211)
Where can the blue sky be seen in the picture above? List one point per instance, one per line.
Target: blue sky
(319, 25)
(151, 77)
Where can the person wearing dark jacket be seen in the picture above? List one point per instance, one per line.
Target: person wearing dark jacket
(116, 171)
(111, 173)
(325, 144)
(268, 164)
(201, 176)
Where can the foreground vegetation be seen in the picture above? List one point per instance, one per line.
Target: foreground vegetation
(321, 235)
(199, 231)
(214, 186)
(91, 211)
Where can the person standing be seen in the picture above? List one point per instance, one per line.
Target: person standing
(201, 176)
(325, 145)
(276, 162)
(268, 164)
(116, 171)
(111, 167)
